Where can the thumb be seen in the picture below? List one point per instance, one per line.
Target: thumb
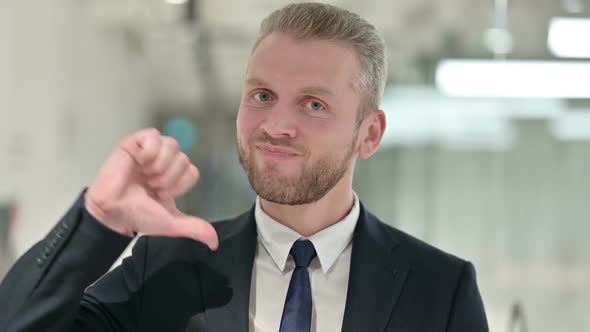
(196, 229)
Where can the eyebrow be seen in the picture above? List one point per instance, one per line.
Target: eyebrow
(256, 82)
(317, 90)
(307, 90)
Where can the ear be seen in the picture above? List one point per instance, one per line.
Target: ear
(372, 134)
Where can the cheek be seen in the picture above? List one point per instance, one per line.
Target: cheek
(321, 140)
(332, 139)
(333, 132)
(246, 123)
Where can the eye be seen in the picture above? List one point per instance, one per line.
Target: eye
(314, 105)
(262, 96)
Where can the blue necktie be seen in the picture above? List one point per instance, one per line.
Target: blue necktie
(297, 310)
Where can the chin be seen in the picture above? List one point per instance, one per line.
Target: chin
(267, 167)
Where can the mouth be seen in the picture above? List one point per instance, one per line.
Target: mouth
(276, 153)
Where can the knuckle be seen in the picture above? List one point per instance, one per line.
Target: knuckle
(151, 154)
(166, 181)
(158, 168)
(147, 136)
(164, 194)
(156, 182)
(182, 188)
(195, 172)
(177, 192)
(152, 132)
(184, 159)
(170, 141)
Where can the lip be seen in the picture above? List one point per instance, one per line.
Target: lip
(275, 152)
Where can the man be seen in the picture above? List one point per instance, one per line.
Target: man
(306, 257)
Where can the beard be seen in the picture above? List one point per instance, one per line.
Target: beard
(312, 183)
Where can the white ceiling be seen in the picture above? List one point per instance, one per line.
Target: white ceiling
(211, 53)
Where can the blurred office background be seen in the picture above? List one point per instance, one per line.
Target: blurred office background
(486, 154)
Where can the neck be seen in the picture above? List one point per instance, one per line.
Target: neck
(308, 219)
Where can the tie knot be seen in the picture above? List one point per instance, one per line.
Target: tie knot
(303, 252)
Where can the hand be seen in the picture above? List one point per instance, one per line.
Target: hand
(134, 190)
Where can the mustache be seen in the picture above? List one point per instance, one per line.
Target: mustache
(279, 142)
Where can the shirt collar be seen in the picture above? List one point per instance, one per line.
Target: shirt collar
(329, 243)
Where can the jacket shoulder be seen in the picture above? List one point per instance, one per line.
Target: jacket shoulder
(418, 253)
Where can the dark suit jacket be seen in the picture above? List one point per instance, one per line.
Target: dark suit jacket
(397, 283)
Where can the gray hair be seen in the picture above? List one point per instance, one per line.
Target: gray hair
(328, 22)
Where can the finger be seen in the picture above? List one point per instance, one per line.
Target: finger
(119, 166)
(168, 150)
(196, 229)
(186, 182)
(143, 145)
(131, 145)
(146, 133)
(172, 174)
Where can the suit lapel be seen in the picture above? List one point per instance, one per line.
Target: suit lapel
(376, 280)
(226, 278)
(374, 286)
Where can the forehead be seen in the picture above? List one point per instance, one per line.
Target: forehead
(280, 58)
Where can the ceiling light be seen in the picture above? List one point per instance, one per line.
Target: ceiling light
(528, 79)
(569, 37)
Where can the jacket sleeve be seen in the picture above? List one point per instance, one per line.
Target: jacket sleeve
(467, 311)
(44, 290)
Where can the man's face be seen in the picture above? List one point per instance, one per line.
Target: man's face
(297, 123)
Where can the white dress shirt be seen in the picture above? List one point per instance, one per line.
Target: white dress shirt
(328, 272)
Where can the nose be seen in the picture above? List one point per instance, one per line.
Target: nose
(279, 122)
